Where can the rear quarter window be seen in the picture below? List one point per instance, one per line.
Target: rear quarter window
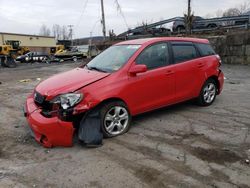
(184, 52)
(205, 49)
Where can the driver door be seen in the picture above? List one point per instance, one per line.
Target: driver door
(155, 87)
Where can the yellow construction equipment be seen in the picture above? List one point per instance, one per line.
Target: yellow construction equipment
(56, 49)
(9, 51)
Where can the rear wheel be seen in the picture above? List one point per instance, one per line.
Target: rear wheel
(115, 119)
(207, 93)
(212, 26)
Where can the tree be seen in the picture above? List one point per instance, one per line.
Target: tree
(44, 30)
(244, 7)
(57, 32)
(239, 10)
(65, 33)
(232, 12)
(60, 32)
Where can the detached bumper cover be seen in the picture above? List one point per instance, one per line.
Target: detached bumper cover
(48, 131)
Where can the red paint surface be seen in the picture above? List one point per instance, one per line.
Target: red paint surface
(141, 92)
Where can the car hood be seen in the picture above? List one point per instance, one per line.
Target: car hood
(69, 81)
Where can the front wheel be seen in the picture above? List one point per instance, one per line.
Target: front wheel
(115, 118)
(207, 93)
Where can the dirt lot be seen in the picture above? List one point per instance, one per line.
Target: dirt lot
(179, 146)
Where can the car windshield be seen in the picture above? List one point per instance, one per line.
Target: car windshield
(113, 58)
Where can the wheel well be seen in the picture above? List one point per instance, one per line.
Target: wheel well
(77, 119)
(215, 78)
(180, 27)
(112, 100)
(212, 25)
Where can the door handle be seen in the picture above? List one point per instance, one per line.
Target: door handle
(169, 72)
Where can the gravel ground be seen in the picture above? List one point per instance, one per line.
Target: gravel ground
(180, 146)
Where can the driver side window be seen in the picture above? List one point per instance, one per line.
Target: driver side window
(154, 56)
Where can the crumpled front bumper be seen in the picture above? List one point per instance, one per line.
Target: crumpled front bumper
(48, 131)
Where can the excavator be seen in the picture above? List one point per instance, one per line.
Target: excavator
(9, 51)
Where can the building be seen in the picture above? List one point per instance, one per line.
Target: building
(34, 42)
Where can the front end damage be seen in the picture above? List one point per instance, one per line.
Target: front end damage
(51, 125)
(48, 131)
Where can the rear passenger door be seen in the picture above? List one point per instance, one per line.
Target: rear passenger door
(189, 70)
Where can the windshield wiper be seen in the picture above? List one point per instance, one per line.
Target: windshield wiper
(96, 68)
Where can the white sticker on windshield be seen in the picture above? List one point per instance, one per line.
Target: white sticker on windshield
(133, 46)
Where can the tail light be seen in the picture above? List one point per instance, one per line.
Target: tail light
(219, 60)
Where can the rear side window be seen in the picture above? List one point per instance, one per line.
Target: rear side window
(184, 52)
(205, 49)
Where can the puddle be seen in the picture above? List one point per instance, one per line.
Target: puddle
(215, 155)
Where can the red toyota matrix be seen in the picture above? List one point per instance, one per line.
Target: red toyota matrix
(127, 79)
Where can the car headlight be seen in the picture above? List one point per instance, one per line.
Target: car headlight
(68, 100)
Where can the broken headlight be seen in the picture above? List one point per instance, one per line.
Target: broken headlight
(67, 100)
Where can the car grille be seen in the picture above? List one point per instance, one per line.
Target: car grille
(42, 103)
(38, 98)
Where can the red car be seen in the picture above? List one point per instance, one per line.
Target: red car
(127, 79)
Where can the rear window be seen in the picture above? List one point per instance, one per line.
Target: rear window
(205, 49)
(184, 52)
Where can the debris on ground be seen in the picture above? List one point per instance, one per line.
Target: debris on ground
(25, 80)
(247, 161)
(38, 79)
(234, 82)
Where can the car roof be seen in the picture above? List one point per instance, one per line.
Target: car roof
(159, 39)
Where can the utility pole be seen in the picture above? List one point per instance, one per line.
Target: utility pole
(103, 21)
(71, 33)
(189, 21)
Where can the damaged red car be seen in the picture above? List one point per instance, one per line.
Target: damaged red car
(127, 79)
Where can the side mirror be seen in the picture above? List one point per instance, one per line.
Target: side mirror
(137, 69)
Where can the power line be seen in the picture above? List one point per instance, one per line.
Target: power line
(94, 25)
(83, 11)
(71, 33)
(119, 9)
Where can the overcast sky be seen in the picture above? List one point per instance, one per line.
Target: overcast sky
(27, 16)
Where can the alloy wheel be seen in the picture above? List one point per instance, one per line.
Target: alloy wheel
(116, 120)
(209, 92)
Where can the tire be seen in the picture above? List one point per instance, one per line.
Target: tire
(208, 93)
(117, 114)
(212, 26)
